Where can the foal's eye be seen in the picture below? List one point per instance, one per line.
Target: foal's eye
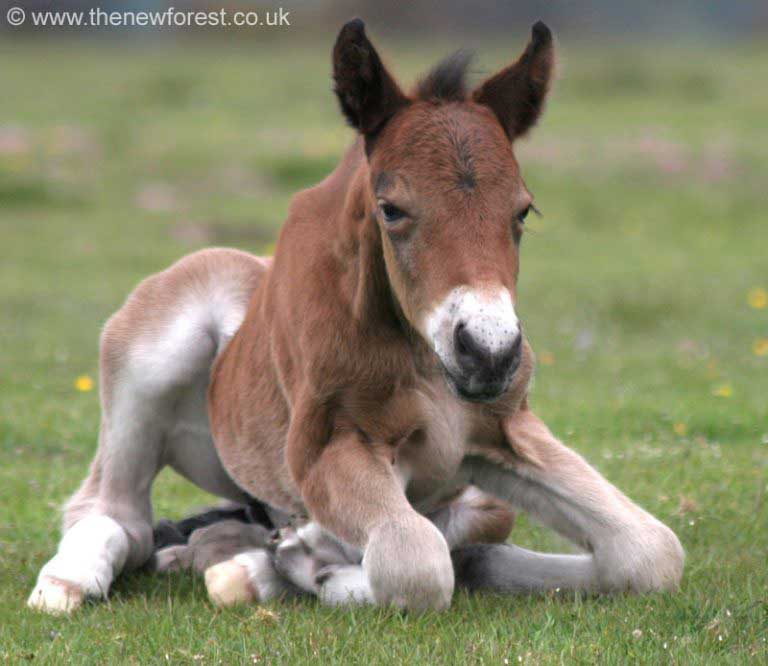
(521, 218)
(390, 213)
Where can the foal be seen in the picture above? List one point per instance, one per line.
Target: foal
(373, 368)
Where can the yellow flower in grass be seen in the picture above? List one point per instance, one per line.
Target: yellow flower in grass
(547, 358)
(757, 298)
(760, 347)
(680, 429)
(84, 383)
(723, 391)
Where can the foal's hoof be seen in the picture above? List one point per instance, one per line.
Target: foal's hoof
(56, 596)
(340, 584)
(228, 584)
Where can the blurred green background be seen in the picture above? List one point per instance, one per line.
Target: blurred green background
(643, 291)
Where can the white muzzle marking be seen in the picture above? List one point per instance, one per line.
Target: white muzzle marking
(488, 315)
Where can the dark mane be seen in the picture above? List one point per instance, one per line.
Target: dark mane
(446, 81)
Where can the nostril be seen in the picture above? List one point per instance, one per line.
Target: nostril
(515, 351)
(508, 360)
(517, 346)
(465, 345)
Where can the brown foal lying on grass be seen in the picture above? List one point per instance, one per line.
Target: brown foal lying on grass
(374, 366)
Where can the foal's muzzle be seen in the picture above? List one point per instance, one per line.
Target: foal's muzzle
(483, 373)
(477, 337)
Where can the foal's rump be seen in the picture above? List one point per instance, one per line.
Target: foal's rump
(187, 312)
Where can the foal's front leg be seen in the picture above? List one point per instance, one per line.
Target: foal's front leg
(317, 562)
(351, 489)
(628, 548)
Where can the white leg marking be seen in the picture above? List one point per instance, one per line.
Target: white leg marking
(89, 555)
(344, 584)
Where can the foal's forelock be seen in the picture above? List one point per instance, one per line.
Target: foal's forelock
(447, 81)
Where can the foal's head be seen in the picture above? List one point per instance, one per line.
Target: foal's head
(447, 194)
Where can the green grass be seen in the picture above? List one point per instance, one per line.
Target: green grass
(651, 169)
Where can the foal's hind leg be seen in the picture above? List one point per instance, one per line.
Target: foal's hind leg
(108, 522)
(155, 356)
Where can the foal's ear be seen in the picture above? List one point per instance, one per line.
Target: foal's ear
(367, 93)
(516, 94)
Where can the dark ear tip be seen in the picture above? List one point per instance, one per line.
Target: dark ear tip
(541, 34)
(355, 27)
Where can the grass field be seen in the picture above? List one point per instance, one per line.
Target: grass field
(642, 290)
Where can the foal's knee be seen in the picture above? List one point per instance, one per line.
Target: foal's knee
(409, 565)
(650, 559)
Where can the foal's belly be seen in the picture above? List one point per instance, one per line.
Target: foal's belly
(189, 447)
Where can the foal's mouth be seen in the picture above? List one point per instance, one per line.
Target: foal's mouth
(469, 389)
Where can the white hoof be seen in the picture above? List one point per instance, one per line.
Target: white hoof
(56, 596)
(341, 585)
(228, 583)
